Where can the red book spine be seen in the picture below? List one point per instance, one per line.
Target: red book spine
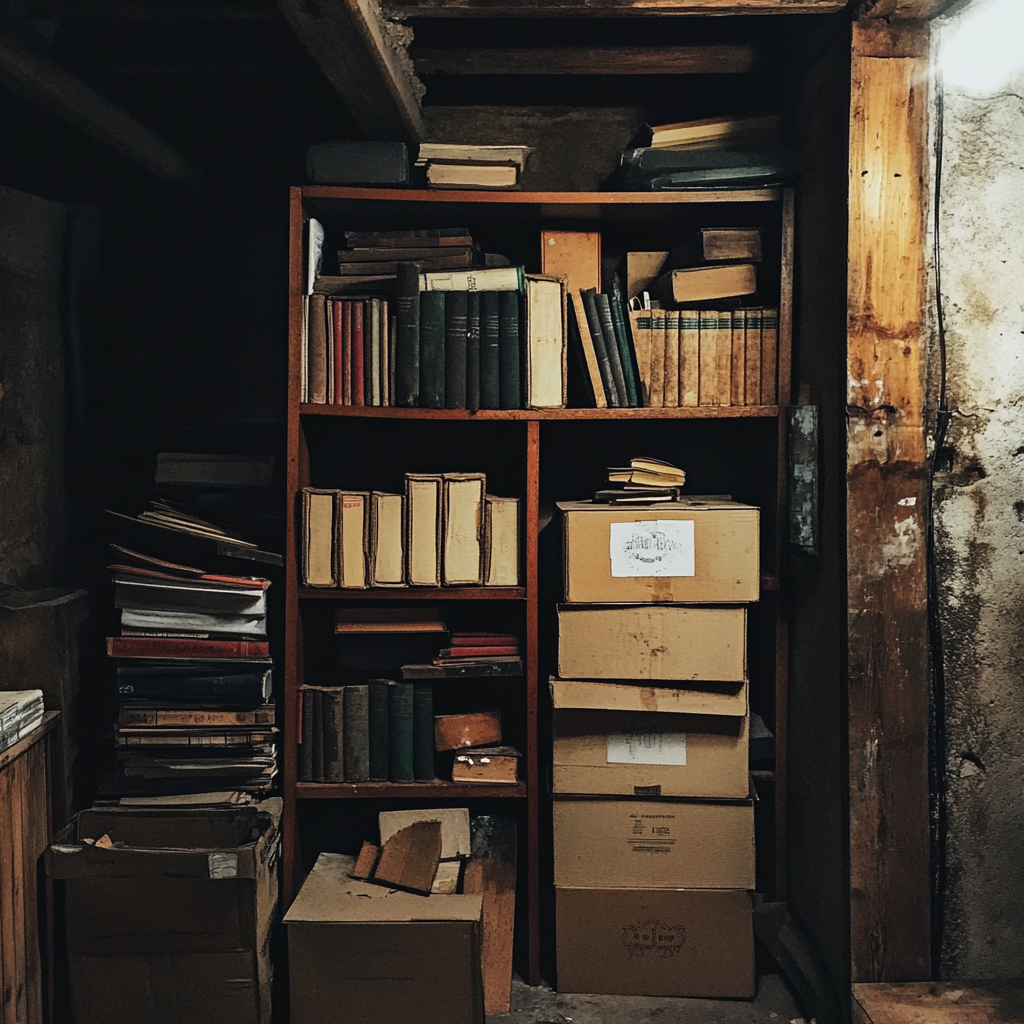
(173, 647)
(357, 354)
(477, 652)
(336, 349)
(485, 640)
(346, 340)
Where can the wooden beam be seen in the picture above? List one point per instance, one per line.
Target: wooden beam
(37, 79)
(609, 60)
(364, 57)
(604, 8)
(887, 507)
(908, 10)
(88, 10)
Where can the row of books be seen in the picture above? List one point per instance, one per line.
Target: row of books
(445, 530)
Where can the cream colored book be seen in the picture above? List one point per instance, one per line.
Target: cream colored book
(545, 342)
(657, 358)
(501, 542)
(423, 529)
(769, 356)
(442, 175)
(724, 357)
(708, 377)
(352, 536)
(671, 358)
(689, 357)
(462, 529)
(387, 554)
(737, 385)
(318, 561)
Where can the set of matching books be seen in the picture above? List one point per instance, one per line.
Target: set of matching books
(445, 530)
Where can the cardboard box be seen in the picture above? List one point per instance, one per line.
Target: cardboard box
(176, 924)
(650, 754)
(653, 844)
(650, 642)
(713, 699)
(655, 942)
(697, 552)
(365, 954)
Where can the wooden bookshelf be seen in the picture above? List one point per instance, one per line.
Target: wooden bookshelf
(544, 442)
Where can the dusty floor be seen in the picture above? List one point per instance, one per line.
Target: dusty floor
(773, 1005)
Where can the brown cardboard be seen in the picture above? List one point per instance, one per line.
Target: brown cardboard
(716, 755)
(364, 954)
(653, 642)
(655, 942)
(725, 550)
(176, 923)
(716, 699)
(653, 844)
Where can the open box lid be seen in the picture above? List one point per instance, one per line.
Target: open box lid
(723, 699)
(696, 503)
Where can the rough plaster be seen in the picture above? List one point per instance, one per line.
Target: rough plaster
(979, 519)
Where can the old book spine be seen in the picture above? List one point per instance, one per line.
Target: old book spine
(689, 357)
(708, 382)
(752, 377)
(184, 648)
(657, 358)
(473, 332)
(371, 361)
(317, 358)
(626, 351)
(407, 340)
(671, 358)
(737, 387)
(604, 317)
(358, 353)
(724, 344)
(455, 315)
(306, 747)
(333, 735)
(603, 358)
(490, 342)
(384, 319)
(509, 349)
(640, 329)
(343, 379)
(357, 733)
(423, 732)
(432, 350)
(378, 712)
(317, 697)
(337, 350)
(400, 731)
(769, 356)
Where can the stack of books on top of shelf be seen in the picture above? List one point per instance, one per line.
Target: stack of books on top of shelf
(645, 481)
(450, 165)
(21, 711)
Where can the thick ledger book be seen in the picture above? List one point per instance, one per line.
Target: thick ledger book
(493, 279)
(356, 701)
(490, 351)
(455, 315)
(140, 592)
(597, 339)
(724, 346)
(318, 511)
(657, 334)
(182, 647)
(358, 353)
(466, 668)
(671, 358)
(333, 734)
(473, 351)
(192, 622)
(195, 681)
(752, 377)
(501, 542)
(381, 619)
(306, 746)
(423, 529)
(769, 356)
(462, 528)
(407, 342)
(316, 697)
(492, 765)
(737, 376)
(689, 357)
(316, 359)
(410, 238)
(343, 348)
(387, 555)
(353, 529)
(705, 284)
(544, 342)
(169, 716)
(626, 352)
(400, 732)
(604, 317)
(422, 731)
(432, 342)
(708, 357)
(579, 334)
(731, 243)
(371, 356)
(378, 718)
(509, 378)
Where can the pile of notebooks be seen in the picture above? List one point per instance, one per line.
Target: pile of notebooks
(445, 530)
(645, 481)
(450, 165)
(21, 711)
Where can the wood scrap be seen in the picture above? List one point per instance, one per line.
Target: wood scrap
(446, 881)
(451, 732)
(366, 862)
(455, 835)
(410, 857)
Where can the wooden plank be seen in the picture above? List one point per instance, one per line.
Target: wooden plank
(574, 202)
(609, 60)
(941, 1002)
(695, 412)
(8, 963)
(887, 498)
(34, 819)
(363, 57)
(409, 859)
(12, 753)
(605, 8)
(908, 9)
(152, 10)
(366, 862)
(438, 790)
(532, 759)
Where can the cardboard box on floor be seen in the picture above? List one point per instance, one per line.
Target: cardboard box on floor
(653, 843)
(616, 555)
(652, 642)
(175, 924)
(365, 954)
(711, 699)
(655, 942)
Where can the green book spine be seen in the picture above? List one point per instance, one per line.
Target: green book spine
(604, 315)
(490, 349)
(357, 733)
(334, 735)
(306, 749)
(509, 372)
(378, 730)
(603, 358)
(432, 350)
(423, 732)
(455, 316)
(318, 734)
(407, 342)
(473, 351)
(400, 767)
(626, 353)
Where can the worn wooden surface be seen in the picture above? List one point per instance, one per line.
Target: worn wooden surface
(942, 1002)
(887, 497)
(409, 859)
(907, 9)
(606, 8)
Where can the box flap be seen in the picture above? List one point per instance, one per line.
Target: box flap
(714, 699)
(692, 504)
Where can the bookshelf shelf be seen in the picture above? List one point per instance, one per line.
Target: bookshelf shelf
(416, 594)
(700, 412)
(437, 790)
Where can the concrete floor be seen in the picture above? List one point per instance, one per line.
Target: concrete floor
(773, 1005)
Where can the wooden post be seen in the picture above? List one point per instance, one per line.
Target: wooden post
(887, 505)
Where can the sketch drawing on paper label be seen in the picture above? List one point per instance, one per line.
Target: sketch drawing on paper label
(661, 547)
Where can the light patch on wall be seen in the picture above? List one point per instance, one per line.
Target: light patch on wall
(902, 548)
(980, 50)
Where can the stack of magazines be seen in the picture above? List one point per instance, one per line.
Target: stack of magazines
(21, 711)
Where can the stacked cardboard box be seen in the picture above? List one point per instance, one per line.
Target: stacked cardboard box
(653, 824)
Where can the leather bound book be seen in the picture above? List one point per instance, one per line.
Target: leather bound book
(317, 357)
(333, 739)
(579, 335)
(509, 347)
(626, 353)
(604, 317)
(407, 340)
(371, 356)
(387, 549)
(671, 358)
(769, 356)
(455, 315)
(353, 530)
(306, 747)
(462, 528)
(501, 542)
(378, 719)
(400, 732)
(337, 308)
(724, 348)
(344, 381)
(657, 358)
(689, 357)
(543, 339)
(490, 351)
(603, 358)
(423, 529)
(473, 351)
(708, 386)
(640, 328)
(319, 565)
(317, 697)
(737, 377)
(423, 732)
(356, 701)
(184, 648)
(752, 377)
(384, 319)
(358, 353)
(432, 308)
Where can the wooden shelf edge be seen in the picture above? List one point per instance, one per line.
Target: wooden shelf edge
(439, 790)
(409, 195)
(15, 750)
(415, 593)
(700, 412)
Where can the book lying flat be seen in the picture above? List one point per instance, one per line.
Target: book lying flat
(137, 715)
(466, 668)
(389, 620)
(192, 596)
(181, 621)
(130, 737)
(255, 686)
(494, 765)
(172, 647)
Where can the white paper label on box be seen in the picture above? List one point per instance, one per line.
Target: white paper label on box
(647, 748)
(655, 547)
(223, 865)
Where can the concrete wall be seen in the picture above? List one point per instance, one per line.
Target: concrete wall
(979, 522)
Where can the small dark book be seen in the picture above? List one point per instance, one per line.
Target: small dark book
(318, 734)
(627, 353)
(431, 366)
(604, 316)
(473, 351)
(400, 732)
(306, 749)
(509, 375)
(423, 732)
(357, 733)
(600, 346)
(490, 341)
(333, 734)
(455, 317)
(378, 730)
(407, 342)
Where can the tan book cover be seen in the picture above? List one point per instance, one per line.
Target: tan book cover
(731, 243)
(463, 520)
(573, 255)
(724, 357)
(704, 284)
(657, 358)
(423, 529)
(708, 380)
(545, 342)
(387, 555)
(642, 270)
(501, 542)
(353, 536)
(640, 328)
(318, 515)
(752, 377)
(689, 357)
(589, 352)
(769, 356)
(737, 395)
(671, 358)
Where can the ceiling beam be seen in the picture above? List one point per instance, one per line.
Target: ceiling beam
(908, 10)
(604, 8)
(364, 57)
(37, 79)
(619, 60)
(155, 10)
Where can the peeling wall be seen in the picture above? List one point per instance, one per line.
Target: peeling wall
(979, 523)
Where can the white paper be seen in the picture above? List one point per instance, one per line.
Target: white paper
(647, 748)
(652, 547)
(314, 253)
(223, 865)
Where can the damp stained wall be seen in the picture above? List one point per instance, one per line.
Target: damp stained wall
(979, 532)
